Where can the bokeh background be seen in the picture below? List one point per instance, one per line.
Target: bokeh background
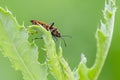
(78, 18)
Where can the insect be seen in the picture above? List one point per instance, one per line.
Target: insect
(54, 31)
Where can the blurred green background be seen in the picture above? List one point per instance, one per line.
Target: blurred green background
(78, 18)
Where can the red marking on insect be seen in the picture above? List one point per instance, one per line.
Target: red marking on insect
(54, 31)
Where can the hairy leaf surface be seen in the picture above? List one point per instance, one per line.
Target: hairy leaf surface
(15, 46)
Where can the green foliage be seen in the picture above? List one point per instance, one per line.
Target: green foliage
(24, 56)
(56, 63)
(103, 37)
(15, 46)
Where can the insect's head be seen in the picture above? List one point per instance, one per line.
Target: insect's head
(58, 34)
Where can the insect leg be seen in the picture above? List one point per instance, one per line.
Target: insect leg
(37, 38)
(51, 25)
(55, 38)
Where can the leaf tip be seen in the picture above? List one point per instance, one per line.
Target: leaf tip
(83, 58)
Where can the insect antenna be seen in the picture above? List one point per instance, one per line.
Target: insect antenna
(64, 41)
(62, 37)
(68, 36)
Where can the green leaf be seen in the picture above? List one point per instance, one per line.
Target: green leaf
(24, 56)
(104, 38)
(15, 46)
(57, 65)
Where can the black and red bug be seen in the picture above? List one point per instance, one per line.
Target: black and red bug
(54, 31)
